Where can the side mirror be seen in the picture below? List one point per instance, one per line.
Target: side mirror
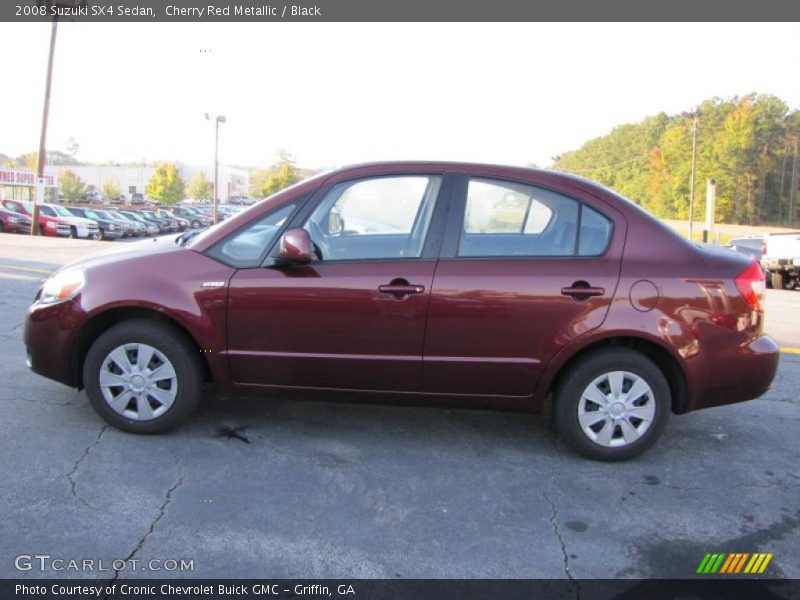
(295, 248)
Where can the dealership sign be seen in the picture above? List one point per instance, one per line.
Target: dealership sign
(26, 178)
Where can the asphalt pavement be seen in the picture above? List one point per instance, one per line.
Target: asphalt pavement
(304, 489)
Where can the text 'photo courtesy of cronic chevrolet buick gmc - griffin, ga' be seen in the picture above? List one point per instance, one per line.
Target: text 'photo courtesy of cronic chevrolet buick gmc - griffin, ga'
(456, 284)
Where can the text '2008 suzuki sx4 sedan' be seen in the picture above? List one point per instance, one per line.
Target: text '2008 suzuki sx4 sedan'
(475, 285)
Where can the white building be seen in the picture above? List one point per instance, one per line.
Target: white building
(133, 179)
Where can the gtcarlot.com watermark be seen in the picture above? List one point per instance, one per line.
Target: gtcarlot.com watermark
(45, 563)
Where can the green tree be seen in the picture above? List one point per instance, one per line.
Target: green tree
(72, 186)
(276, 177)
(111, 189)
(745, 143)
(166, 185)
(200, 188)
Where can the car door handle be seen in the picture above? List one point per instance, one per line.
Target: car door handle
(401, 290)
(581, 290)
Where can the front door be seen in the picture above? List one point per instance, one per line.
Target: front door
(355, 317)
(524, 271)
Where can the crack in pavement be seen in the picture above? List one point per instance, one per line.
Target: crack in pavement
(554, 519)
(143, 540)
(77, 465)
(562, 543)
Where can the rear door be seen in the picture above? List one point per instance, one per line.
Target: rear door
(524, 271)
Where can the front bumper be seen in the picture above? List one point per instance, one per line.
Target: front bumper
(49, 335)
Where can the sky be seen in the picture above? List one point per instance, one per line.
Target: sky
(336, 93)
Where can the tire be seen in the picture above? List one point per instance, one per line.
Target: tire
(41, 230)
(778, 280)
(153, 406)
(73, 233)
(632, 432)
(2, 227)
(195, 224)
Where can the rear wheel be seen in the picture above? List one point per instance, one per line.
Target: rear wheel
(143, 377)
(778, 280)
(612, 404)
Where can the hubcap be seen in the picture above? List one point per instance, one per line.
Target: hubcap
(138, 381)
(616, 409)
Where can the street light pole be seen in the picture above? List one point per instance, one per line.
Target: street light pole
(217, 120)
(695, 116)
(43, 136)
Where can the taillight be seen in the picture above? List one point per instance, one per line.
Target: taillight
(764, 248)
(750, 283)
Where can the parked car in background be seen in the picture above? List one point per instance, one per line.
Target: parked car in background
(95, 197)
(501, 286)
(781, 259)
(109, 228)
(196, 218)
(12, 222)
(79, 227)
(151, 227)
(242, 200)
(751, 246)
(165, 224)
(53, 226)
(163, 213)
(137, 199)
(137, 228)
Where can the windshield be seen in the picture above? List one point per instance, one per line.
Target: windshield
(90, 214)
(104, 215)
(61, 211)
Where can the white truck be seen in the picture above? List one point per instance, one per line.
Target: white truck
(780, 259)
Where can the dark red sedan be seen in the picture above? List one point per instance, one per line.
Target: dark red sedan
(481, 285)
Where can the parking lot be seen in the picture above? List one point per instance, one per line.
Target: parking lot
(316, 490)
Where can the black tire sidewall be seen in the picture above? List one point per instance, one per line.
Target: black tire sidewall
(176, 348)
(579, 376)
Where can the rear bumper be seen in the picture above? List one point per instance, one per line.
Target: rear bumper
(730, 375)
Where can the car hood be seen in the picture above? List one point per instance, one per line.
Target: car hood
(122, 252)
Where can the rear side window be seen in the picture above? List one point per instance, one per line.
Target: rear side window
(504, 218)
(595, 232)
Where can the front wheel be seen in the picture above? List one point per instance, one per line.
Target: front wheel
(143, 377)
(73, 233)
(612, 404)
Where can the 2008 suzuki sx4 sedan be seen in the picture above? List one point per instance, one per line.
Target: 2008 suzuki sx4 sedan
(479, 285)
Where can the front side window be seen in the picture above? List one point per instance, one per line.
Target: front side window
(249, 246)
(505, 218)
(380, 218)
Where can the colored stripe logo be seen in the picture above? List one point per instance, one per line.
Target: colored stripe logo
(735, 562)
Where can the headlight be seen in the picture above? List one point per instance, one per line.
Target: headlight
(63, 286)
(13, 219)
(112, 227)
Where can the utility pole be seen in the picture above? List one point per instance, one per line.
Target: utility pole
(695, 116)
(43, 137)
(794, 182)
(217, 120)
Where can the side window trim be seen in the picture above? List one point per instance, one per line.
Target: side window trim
(458, 205)
(433, 238)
